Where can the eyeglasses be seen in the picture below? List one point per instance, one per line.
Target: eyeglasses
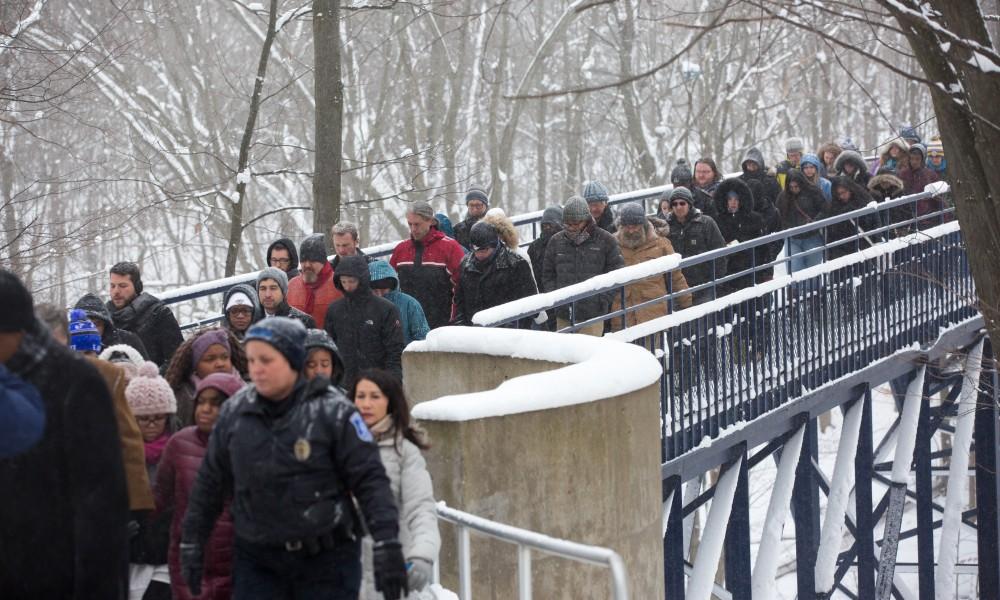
(145, 420)
(240, 310)
(281, 261)
(679, 203)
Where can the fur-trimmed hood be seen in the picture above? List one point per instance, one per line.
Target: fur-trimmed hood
(883, 180)
(505, 228)
(850, 156)
(898, 142)
(742, 190)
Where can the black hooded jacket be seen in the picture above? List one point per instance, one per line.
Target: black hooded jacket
(698, 234)
(607, 221)
(365, 327)
(860, 176)
(258, 312)
(741, 226)
(293, 256)
(96, 310)
(290, 469)
(801, 209)
(505, 277)
(860, 198)
(154, 323)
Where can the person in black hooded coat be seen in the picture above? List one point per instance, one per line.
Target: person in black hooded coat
(765, 189)
(293, 256)
(849, 196)
(491, 275)
(739, 223)
(101, 317)
(365, 327)
(850, 164)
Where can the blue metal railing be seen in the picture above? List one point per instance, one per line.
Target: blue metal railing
(737, 357)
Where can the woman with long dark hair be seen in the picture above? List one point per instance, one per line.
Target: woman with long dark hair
(379, 396)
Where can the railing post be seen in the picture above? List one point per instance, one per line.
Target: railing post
(673, 539)
(805, 511)
(864, 531)
(737, 550)
(925, 495)
(523, 572)
(464, 563)
(987, 436)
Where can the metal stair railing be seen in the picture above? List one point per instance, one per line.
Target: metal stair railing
(526, 541)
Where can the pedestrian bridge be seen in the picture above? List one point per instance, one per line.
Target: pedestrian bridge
(863, 392)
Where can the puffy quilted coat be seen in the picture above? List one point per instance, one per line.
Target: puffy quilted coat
(571, 259)
(696, 235)
(174, 480)
(504, 278)
(655, 246)
(154, 323)
(413, 492)
(325, 295)
(429, 271)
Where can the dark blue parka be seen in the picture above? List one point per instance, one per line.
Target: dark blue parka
(289, 468)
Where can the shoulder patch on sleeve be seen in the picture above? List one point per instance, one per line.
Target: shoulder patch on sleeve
(360, 428)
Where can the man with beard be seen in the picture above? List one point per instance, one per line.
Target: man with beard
(577, 253)
(477, 203)
(272, 293)
(693, 233)
(640, 242)
(143, 314)
(312, 290)
(706, 180)
(365, 327)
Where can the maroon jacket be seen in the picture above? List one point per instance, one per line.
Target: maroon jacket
(914, 182)
(175, 477)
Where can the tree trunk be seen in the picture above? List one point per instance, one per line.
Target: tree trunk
(637, 136)
(329, 94)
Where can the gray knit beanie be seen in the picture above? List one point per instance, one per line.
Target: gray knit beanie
(575, 210)
(794, 145)
(594, 191)
(422, 209)
(553, 215)
(632, 214)
(277, 275)
(683, 193)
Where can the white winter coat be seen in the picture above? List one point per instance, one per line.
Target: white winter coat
(414, 494)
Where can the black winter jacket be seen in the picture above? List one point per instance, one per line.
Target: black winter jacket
(704, 199)
(860, 198)
(741, 226)
(570, 259)
(366, 328)
(154, 323)
(284, 310)
(293, 256)
(607, 220)
(504, 278)
(802, 209)
(290, 468)
(95, 309)
(536, 252)
(698, 234)
(64, 506)
(250, 292)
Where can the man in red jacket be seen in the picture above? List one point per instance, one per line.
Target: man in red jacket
(428, 264)
(312, 291)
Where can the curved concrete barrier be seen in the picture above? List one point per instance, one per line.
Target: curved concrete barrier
(554, 433)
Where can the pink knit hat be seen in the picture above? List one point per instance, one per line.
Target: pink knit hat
(227, 383)
(150, 394)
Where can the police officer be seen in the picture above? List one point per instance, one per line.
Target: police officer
(288, 453)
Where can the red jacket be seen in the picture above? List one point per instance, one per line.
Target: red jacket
(326, 294)
(175, 478)
(429, 271)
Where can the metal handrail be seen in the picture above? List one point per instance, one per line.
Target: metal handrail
(525, 541)
(542, 301)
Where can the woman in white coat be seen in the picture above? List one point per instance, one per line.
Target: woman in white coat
(379, 397)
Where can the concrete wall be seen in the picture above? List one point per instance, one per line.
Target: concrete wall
(587, 473)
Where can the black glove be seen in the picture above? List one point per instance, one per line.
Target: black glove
(192, 564)
(390, 569)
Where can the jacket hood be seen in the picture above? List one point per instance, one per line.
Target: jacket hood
(812, 159)
(733, 185)
(828, 147)
(251, 293)
(899, 143)
(444, 224)
(852, 157)
(655, 229)
(799, 177)
(859, 195)
(755, 155)
(95, 309)
(380, 269)
(293, 254)
(885, 180)
(660, 226)
(353, 266)
(505, 227)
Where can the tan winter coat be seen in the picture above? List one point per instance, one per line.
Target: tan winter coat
(655, 246)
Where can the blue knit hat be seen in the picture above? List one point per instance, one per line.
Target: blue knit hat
(594, 191)
(83, 334)
(287, 336)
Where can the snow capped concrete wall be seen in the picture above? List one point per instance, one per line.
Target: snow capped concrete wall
(554, 433)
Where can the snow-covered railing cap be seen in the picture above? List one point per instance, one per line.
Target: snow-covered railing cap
(596, 368)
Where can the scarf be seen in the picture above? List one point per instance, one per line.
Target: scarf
(384, 428)
(154, 449)
(325, 275)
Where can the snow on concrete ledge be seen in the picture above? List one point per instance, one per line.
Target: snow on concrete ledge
(597, 368)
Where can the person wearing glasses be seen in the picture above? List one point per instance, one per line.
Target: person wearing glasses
(155, 408)
(281, 254)
(691, 234)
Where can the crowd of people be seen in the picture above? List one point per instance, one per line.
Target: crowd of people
(274, 456)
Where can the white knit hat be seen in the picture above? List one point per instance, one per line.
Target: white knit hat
(150, 394)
